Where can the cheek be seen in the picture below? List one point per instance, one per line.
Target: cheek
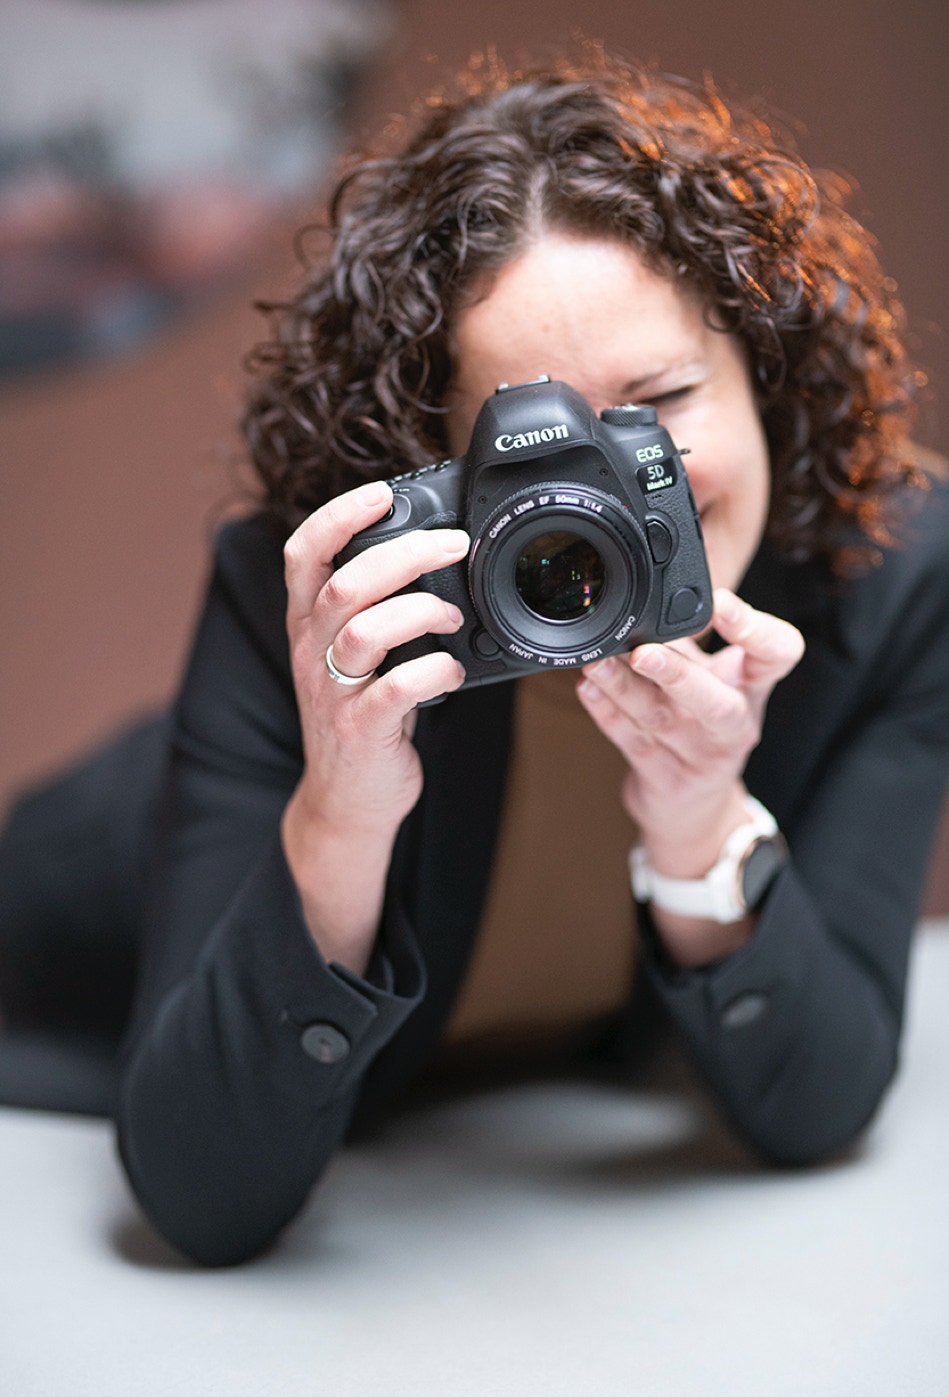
(755, 480)
(733, 482)
(737, 470)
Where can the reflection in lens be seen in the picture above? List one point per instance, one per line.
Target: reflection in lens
(559, 576)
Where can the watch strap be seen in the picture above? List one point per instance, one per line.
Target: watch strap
(719, 895)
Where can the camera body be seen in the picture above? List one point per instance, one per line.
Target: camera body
(585, 538)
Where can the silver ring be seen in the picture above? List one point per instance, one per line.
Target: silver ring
(337, 675)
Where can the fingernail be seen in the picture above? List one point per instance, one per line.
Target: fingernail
(650, 660)
(454, 615)
(373, 494)
(727, 607)
(588, 691)
(455, 541)
(604, 668)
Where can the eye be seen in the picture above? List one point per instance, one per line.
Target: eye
(674, 395)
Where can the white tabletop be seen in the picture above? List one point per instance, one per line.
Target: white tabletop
(546, 1239)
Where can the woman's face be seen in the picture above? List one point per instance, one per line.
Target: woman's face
(590, 312)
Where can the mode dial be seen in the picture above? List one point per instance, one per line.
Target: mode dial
(629, 415)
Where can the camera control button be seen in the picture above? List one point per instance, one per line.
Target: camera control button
(660, 541)
(684, 604)
(629, 415)
(485, 645)
(400, 510)
(531, 383)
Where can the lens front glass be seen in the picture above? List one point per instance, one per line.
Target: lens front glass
(559, 576)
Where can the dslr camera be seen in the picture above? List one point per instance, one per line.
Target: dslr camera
(585, 538)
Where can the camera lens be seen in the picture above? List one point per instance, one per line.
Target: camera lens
(559, 576)
(559, 572)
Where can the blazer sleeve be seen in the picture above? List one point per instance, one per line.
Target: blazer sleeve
(798, 1032)
(246, 1048)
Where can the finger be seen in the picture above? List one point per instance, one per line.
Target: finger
(771, 646)
(309, 551)
(676, 689)
(384, 569)
(639, 742)
(367, 637)
(384, 704)
(625, 730)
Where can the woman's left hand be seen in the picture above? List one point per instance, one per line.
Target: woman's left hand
(686, 722)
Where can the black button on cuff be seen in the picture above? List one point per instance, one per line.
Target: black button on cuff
(745, 1009)
(325, 1043)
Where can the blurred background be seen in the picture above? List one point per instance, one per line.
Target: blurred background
(155, 159)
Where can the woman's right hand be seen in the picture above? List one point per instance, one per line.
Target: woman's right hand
(361, 773)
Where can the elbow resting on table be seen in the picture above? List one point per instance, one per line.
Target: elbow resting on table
(792, 1133)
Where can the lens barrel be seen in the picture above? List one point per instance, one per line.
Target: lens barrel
(559, 571)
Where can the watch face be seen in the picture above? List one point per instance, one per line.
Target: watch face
(761, 865)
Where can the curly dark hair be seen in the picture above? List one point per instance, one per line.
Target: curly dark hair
(352, 384)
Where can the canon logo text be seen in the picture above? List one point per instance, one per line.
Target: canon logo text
(505, 442)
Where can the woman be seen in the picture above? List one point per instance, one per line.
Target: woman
(327, 844)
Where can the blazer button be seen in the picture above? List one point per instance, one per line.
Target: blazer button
(324, 1043)
(744, 1009)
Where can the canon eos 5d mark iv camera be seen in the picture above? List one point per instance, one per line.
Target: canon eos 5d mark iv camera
(585, 539)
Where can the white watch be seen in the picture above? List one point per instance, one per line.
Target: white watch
(750, 860)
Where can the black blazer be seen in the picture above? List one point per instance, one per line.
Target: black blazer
(248, 1054)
